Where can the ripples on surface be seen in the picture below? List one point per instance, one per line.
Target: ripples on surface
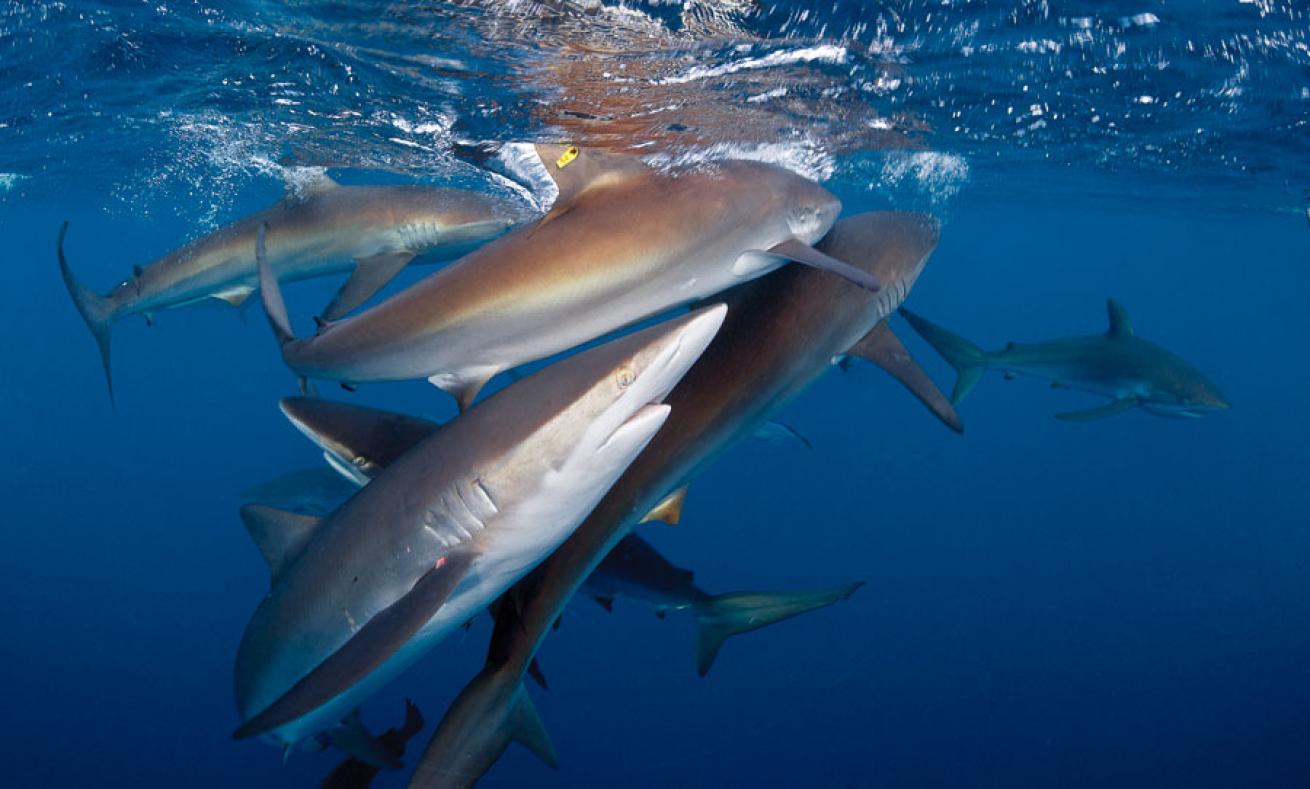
(187, 99)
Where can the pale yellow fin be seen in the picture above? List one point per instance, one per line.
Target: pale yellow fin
(669, 510)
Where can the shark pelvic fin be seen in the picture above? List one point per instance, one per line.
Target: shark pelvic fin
(1120, 324)
(725, 615)
(236, 295)
(464, 390)
(969, 361)
(776, 432)
(882, 347)
(669, 510)
(371, 274)
(1100, 412)
(279, 535)
(353, 739)
(96, 310)
(525, 726)
(800, 252)
(387, 631)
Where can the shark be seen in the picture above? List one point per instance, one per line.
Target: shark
(1129, 370)
(623, 241)
(635, 570)
(319, 227)
(355, 773)
(358, 595)
(782, 333)
(359, 441)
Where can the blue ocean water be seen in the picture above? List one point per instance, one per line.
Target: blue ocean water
(1117, 603)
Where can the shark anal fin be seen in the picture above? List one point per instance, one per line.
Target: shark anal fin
(387, 631)
(279, 535)
(800, 252)
(669, 510)
(350, 737)
(604, 601)
(464, 390)
(525, 726)
(1100, 412)
(371, 274)
(882, 347)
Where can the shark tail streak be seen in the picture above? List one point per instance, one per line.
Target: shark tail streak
(969, 361)
(96, 310)
(721, 616)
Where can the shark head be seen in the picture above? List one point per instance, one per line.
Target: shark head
(613, 407)
(891, 245)
(810, 209)
(1179, 390)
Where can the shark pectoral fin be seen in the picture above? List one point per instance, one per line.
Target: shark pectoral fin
(800, 252)
(525, 726)
(279, 535)
(882, 347)
(236, 295)
(350, 737)
(1100, 412)
(270, 292)
(374, 643)
(370, 275)
(534, 671)
(725, 615)
(463, 389)
(669, 510)
(778, 433)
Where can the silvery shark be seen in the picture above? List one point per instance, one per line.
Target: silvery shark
(360, 594)
(360, 441)
(621, 242)
(782, 333)
(319, 228)
(1131, 371)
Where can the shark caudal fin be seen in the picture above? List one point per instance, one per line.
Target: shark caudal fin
(96, 310)
(725, 615)
(969, 361)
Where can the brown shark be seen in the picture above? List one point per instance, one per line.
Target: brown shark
(621, 242)
(320, 228)
(782, 332)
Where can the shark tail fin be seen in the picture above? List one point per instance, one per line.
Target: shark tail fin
(721, 616)
(96, 310)
(527, 728)
(270, 292)
(968, 359)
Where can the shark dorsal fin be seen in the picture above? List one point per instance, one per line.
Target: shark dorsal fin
(1120, 324)
(301, 183)
(575, 170)
(281, 536)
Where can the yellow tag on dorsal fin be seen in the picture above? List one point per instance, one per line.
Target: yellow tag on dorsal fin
(569, 155)
(669, 510)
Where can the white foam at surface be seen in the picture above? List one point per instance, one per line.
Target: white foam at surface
(824, 53)
(806, 158)
(936, 174)
(9, 180)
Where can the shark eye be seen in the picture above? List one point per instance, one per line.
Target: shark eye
(624, 377)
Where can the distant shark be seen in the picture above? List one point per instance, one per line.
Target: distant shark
(360, 441)
(354, 773)
(442, 531)
(1132, 372)
(621, 242)
(636, 570)
(319, 228)
(782, 332)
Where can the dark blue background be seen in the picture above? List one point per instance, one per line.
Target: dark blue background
(1116, 603)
